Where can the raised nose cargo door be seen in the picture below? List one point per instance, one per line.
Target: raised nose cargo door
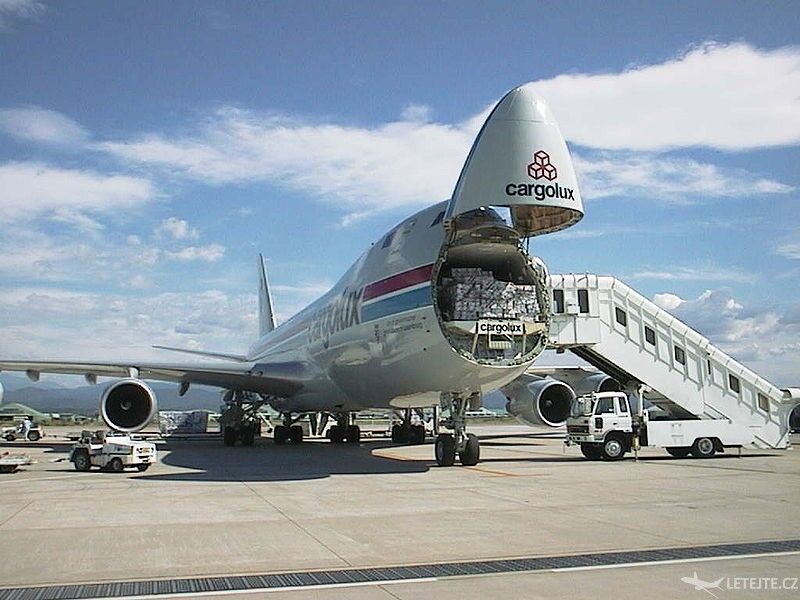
(520, 160)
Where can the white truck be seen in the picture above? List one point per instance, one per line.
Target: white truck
(604, 427)
(111, 451)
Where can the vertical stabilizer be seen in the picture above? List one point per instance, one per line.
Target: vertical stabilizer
(266, 316)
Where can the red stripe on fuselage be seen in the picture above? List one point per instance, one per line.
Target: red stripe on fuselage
(398, 282)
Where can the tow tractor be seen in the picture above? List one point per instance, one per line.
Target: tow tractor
(604, 427)
(33, 434)
(111, 451)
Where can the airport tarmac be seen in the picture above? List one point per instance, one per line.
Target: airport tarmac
(206, 510)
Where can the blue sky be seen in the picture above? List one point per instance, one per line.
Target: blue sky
(148, 152)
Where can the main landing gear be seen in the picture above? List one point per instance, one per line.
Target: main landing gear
(345, 430)
(465, 445)
(240, 420)
(406, 432)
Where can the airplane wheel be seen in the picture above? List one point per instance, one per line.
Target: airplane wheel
(445, 450)
(471, 453)
(703, 448)
(354, 434)
(613, 449)
(397, 433)
(591, 451)
(679, 452)
(81, 461)
(337, 434)
(280, 435)
(296, 434)
(248, 435)
(116, 465)
(417, 434)
(229, 436)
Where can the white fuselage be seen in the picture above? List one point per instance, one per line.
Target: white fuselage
(374, 339)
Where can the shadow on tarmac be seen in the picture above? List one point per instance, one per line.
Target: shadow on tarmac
(211, 461)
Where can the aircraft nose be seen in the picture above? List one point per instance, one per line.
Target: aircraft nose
(523, 104)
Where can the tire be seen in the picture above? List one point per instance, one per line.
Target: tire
(613, 448)
(280, 435)
(143, 467)
(445, 450)
(116, 465)
(591, 451)
(296, 434)
(10, 437)
(471, 453)
(354, 434)
(417, 434)
(703, 448)
(229, 436)
(33, 436)
(81, 461)
(337, 434)
(679, 451)
(248, 436)
(397, 433)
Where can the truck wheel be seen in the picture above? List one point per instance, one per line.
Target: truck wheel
(143, 467)
(679, 451)
(703, 448)
(229, 436)
(116, 465)
(33, 436)
(591, 451)
(296, 434)
(445, 450)
(81, 461)
(10, 437)
(613, 449)
(471, 453)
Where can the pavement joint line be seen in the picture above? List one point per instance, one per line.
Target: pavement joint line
(375, 576)
(16, 512)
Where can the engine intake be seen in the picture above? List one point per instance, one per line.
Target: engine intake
(541, 402)
(128, 405)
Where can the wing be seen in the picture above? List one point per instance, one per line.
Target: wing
(282, 379)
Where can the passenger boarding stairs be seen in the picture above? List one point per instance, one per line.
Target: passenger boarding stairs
(625, 335)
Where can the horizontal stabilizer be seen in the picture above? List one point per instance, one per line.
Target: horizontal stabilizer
(222, 355)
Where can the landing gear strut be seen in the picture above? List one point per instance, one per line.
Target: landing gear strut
(406, 432)
(240, 420)
(466, 445)
(345, 430)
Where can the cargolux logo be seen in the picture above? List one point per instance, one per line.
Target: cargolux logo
(542, 167)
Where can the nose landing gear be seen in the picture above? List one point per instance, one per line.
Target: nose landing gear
(465, 445)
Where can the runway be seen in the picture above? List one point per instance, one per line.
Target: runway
(382, 521)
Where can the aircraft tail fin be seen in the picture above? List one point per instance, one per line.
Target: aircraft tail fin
(266, 316)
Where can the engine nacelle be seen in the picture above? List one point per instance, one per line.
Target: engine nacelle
(539, 402)
(128, 405)
(599, 382)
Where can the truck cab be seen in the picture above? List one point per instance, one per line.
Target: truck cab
(602, 425)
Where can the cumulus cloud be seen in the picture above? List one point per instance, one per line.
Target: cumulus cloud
(763, 339)
(731, 97)
(695, 273)
(32, 189)
(177, 229)
(41, 125)
(11, 10)
(209, 253)
(789, 250)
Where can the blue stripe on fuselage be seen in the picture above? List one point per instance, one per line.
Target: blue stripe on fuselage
(397, 304)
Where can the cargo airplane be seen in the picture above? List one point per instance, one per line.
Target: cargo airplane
(446, 306)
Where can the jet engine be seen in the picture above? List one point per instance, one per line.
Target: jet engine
(599, 382)
(539, 401)
(128, 405)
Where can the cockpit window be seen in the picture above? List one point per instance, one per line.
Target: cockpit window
(388, 239)
(439, 218)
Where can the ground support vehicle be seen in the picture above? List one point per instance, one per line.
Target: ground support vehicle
(111, 451)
